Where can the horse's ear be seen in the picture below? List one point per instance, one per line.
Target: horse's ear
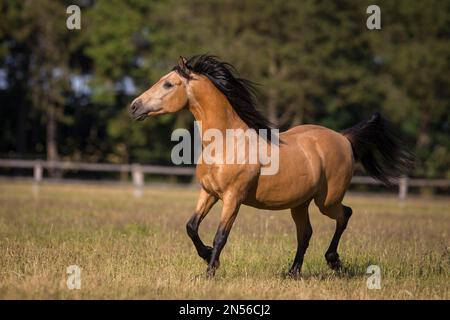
(183, 68)
(182, 63)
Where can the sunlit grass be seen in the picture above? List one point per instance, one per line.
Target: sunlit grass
(136, 247)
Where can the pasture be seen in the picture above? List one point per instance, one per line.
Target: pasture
(136, 247)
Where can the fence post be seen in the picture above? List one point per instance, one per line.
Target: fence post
(137, 175)
(37, 171)
(403, 188)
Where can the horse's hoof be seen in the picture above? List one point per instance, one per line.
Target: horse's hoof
(211, 271)
(333, 261)
(294, 274)
(335, 265)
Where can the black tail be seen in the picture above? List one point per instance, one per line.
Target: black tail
(379, 149)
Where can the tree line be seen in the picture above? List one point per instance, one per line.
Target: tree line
(64, 93)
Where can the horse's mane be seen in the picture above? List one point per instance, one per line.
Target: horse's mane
(241, 93)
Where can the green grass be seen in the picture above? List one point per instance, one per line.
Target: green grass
(136, 247)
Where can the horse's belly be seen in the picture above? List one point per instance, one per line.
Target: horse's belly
(295, 182)
(275, 196)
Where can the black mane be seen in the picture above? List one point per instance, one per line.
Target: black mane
(239, 92)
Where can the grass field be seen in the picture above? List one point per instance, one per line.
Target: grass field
(136, 247)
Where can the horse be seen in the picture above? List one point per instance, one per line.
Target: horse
(315, 163)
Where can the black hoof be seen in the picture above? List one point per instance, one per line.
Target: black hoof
(211, 271)
(294, 274)
(333, 260)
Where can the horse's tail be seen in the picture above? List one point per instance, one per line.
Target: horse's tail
(376, 146)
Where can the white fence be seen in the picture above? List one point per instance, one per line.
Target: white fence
(138, 171)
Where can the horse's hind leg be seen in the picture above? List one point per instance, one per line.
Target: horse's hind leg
(204, 205)
(341, 214)
(304, 232)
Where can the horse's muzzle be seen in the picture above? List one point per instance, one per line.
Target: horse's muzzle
(135, 106)
(137, 111)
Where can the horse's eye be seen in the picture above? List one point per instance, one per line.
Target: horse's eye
(167, 85)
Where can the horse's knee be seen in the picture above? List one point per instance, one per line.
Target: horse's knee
(191, 228)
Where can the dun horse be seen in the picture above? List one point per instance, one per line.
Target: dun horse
(315, 163)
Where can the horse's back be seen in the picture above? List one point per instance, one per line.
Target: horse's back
(302, 129)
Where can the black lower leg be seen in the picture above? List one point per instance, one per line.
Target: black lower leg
(304, 233)
(331, 255)
(231, 204)
(294, 271)
(219, 242)
(301, 249)
(192, 229)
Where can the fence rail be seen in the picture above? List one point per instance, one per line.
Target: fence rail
(137, 173)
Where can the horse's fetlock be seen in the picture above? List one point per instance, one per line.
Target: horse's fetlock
(332, 256)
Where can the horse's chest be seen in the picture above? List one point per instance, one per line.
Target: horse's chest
(210, 179)
(218, 179)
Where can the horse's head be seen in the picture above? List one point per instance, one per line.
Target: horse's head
(168, 95)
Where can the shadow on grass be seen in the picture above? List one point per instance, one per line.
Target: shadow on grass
(347, 271)
(313, 270)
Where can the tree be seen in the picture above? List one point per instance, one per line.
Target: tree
(314, 61)
(414, 48)
(39, 37)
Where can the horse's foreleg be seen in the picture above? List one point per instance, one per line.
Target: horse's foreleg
(204, 205)
(229, 213)
(304, 232)
(342, 214)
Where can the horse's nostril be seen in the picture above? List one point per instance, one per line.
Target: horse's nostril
(135, 106)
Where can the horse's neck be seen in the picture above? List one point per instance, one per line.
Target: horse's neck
(213, 110)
